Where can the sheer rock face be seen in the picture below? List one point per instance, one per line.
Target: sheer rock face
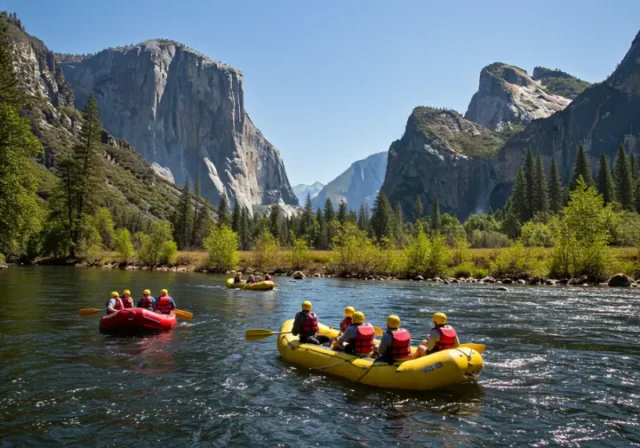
(36, 68)
(441, 154)
(185, 114)
(508, 95)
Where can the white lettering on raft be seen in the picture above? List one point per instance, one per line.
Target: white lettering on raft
(432, 367)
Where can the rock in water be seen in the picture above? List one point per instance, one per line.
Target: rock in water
(185, 114)
(298, 275)
(622, 280)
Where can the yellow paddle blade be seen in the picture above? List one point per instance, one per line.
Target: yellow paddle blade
(258, 333)
(89, 311)
(477, 347)
(183, 314)
(379, 331)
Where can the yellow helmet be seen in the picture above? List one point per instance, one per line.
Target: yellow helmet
(349, 310)
(393, 321)
(146, 292)
(114, 294)
(306, 305)
(440, 318)
(358, 317)
(126, 292)
(164, 291)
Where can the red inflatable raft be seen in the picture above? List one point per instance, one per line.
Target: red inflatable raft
(137, 320)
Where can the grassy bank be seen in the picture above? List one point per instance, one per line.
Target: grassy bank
(514, 263)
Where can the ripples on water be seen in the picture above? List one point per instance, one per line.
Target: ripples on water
(561, 367)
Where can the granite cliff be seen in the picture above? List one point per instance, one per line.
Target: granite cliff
(185, 114)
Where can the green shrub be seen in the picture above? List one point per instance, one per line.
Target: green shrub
(440, 256)
(123, 245)
(103, 222)
(299, 256)
(3, 259)
(488, 239)
(159, 247)
(536, 234)
(356, 253)
(517, 261)
(465, 269)
(222, 246)
(265, 253)
(417, 254)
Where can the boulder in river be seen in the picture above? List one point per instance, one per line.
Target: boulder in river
(522, 282)
(579, 281)
(488, 280)
(621, 280)
(317, 275)
(507, 281)
(298, 275)
(418, 278)
(502, 288)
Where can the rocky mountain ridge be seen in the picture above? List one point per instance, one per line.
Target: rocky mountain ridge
(302, 190)
(428, 160)
(185, 114)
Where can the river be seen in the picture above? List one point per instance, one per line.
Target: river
(561, 366)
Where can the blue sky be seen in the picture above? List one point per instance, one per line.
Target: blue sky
(330, 82)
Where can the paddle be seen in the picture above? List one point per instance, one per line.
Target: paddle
(89, 311)
(254, 334)
(183, 314)
(477, 347)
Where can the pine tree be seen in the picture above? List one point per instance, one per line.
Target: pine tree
(245, 229)
(10, 95)
(581, 168)
(541, 203)
(363, 218)
(352, 217)
(236, 218)
(184, 220)
(625, 189)
(529, 172)
(274, 221)
(605, 181)
(224, 219)
(87, 156)
(519, 197)
(556, 196)
(201, 218)
(322, 238)
(329, 212)
(399, 223)
(436, 222)
(418, 209)
(342, 212)
(634, 166)
(382, 217)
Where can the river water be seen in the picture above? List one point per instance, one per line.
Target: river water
(561, 367)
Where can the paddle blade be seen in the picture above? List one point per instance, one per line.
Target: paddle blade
(183, 314)
(88, 311)
(258, 333)
(379, 331)
(477, 347)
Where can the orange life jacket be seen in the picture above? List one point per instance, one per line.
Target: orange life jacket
(164, 304)
(345, 324)
(447, 338)
(118, 306)
(401, 344)
(310, 324)
(363, 342)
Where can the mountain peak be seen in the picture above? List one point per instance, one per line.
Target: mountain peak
(560, 83)
(507, 95)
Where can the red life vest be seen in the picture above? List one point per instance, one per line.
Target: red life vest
(118, 306)
(447, 338)
(400, 344)
(345, 324)
(146, 302)
(310, 324)
(127, 302)
(164, 304)
(363, 342)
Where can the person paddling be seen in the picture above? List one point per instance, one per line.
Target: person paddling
(251, 279)
(164, 303)
(147, 301)
(358, 337)
(395, 344)
(127, 300)
(238, 278)
(114, 304)
(305, 325)
(268, 278)
(441, 337)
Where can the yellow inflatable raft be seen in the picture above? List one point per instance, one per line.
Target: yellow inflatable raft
(262, 286)
(441, 369)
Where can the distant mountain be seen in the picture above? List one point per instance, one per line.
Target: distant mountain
(359, 183)
(302, 190)
(560, 83)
